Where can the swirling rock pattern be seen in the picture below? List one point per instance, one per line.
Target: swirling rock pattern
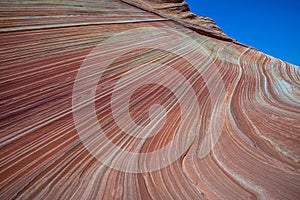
(42, 156)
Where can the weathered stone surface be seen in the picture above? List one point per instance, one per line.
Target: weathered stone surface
(179, 11)
(233, 112)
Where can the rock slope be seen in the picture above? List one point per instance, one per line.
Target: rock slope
(141, 100)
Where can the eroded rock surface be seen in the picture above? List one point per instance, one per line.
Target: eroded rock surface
(70, 67)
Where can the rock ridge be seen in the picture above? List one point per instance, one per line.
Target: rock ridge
(179, 11)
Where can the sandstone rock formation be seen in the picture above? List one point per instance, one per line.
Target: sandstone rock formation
(91, 90)
(179, 11)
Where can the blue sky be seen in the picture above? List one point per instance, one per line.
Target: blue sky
(272, 27)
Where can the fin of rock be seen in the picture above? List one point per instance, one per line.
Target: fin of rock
(179, 11)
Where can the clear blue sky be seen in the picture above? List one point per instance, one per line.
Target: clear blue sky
(272, 27)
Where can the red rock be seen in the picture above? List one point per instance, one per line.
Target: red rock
(184, 111)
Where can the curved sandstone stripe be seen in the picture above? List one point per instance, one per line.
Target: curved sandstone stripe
(42, 156)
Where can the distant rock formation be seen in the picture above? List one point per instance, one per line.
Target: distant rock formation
(179, 11)
(142, 99)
